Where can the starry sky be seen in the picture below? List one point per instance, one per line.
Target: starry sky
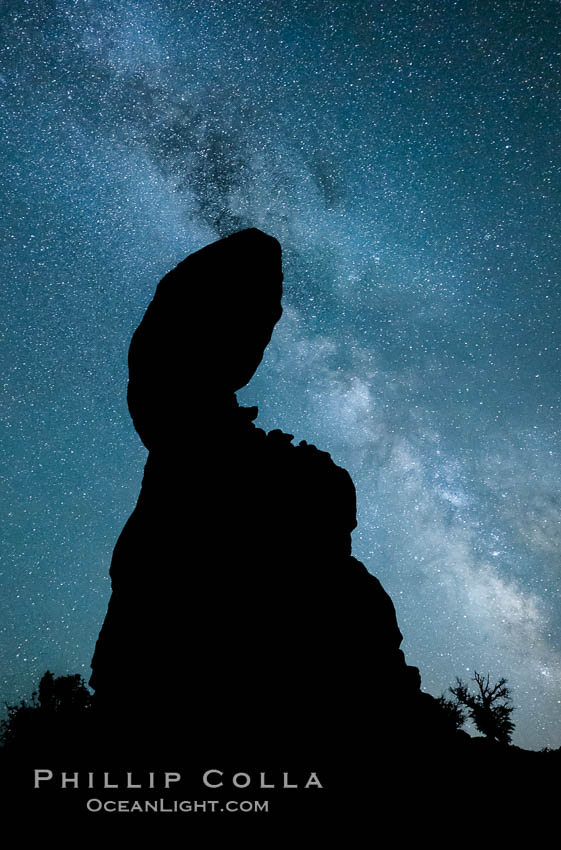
(407, 156)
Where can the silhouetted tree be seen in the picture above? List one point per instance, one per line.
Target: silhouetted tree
(55, 710)
(490, 708)
(63, 693)
(453, 714)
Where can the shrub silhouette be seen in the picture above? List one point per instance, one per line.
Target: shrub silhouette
(452, 713)
(54, 711)
(490, 708)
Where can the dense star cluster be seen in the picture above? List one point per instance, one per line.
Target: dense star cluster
(407, 156)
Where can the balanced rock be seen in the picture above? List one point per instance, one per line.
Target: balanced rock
(239, 620)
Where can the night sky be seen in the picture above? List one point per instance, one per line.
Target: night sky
(407, 156)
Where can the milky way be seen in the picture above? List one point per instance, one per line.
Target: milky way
(407, 156)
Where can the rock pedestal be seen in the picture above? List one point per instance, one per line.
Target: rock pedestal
(239, 620)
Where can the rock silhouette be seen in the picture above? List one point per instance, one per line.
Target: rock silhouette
(242, 636)
(237, 610)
